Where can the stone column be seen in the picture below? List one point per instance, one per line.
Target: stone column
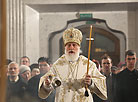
(15, 30)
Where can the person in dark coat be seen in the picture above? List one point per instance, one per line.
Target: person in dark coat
(33, 83)
(106, 70)
(127, 80)
(16, 86)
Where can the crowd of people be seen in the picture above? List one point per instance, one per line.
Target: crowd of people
(73, 78)
(23, 80)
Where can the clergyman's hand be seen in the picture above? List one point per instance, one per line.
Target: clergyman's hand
(47, 81)
(88, 80)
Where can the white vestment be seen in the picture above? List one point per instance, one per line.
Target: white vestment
(71, 75)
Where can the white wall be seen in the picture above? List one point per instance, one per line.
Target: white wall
(32, 33)
(51, 22)
(131, 30)
(57, 21)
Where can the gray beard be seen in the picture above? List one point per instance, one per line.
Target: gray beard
(13, 77)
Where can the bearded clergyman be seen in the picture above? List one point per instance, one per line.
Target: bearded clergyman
(68, 74)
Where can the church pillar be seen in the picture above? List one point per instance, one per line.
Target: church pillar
(15, 30)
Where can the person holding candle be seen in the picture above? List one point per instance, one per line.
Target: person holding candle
(73, 74)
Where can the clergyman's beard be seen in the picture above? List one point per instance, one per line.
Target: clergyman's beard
(72, 56)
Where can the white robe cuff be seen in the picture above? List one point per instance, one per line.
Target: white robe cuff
(92, 86)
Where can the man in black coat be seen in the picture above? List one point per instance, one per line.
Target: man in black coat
(127, 80)
(16, 86)
(33, 83)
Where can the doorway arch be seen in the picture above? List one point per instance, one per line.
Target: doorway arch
(104, 42)
(107, 40)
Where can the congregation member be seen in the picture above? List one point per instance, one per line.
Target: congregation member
(33, 83)
(25, 72)
(16, 86)
(108, 70)
(34, 69)
(25, 61)
(127, 80)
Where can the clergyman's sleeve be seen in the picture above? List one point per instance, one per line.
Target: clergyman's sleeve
(99, 83)
(43, 90)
